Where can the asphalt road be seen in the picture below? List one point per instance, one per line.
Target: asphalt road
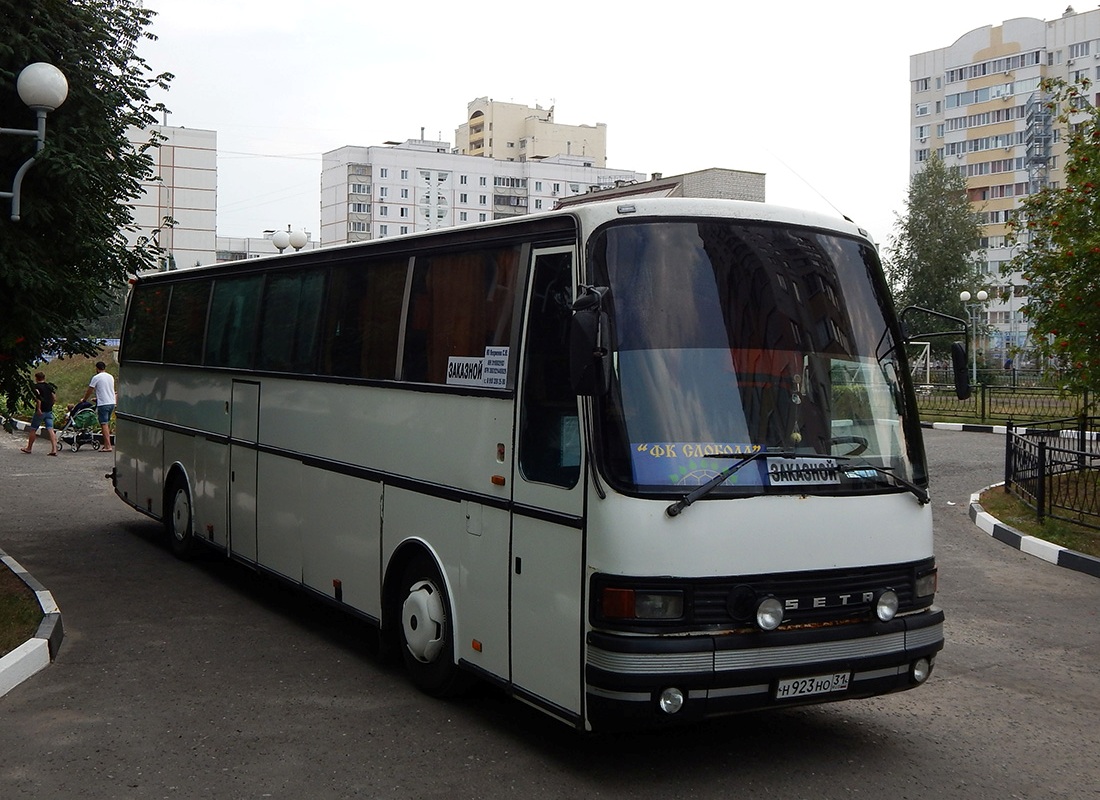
(198, 680)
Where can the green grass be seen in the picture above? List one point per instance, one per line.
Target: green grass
(1013, 512)
(20, 613)
(70, 375)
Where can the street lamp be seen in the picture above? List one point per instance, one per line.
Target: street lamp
(973, 313)
(288, 238)
(43, 88)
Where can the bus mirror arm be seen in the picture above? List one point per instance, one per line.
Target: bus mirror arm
(590, 343)
(958, 349)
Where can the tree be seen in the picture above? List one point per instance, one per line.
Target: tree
(1060, 227)
(64, 261)
(934, 252)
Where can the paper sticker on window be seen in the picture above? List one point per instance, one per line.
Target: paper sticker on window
(802, 471)
(490, 371)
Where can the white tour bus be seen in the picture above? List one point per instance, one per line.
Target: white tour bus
(633, 462)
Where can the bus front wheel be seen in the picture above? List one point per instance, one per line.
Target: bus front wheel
(179, 521)
(427, 635)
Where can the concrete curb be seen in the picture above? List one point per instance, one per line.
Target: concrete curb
(1040, 548)
(37, 652)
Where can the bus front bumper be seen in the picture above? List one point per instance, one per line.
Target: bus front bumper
(627, 676)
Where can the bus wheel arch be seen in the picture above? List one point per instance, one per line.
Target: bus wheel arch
(179, 513)
(420, 622)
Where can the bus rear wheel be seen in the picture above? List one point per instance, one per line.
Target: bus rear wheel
(179, 521)
(427, 634)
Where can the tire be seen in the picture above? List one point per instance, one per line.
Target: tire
(179, 521)
(427, 633)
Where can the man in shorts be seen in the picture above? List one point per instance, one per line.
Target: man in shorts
(44, 396)
(102, 385)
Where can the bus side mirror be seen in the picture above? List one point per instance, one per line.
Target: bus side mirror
(589, 345)
(958, 365)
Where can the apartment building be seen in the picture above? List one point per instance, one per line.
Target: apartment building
(515, 132)
(418, 185)
(183, 188)
(977, 104)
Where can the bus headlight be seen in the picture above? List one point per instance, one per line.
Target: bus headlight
(886, 604)
(769, 614)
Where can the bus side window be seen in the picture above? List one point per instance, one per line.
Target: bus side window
(291, 310)
(363, 319)
(460, 303)
(145, 325)
(183, 333)
(549, 437)
(234, 314)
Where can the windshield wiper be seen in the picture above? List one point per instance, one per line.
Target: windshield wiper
(921, 494)
(708, 487)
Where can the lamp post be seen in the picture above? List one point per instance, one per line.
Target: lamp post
(288, 238)
(42, 87)
(973, 313)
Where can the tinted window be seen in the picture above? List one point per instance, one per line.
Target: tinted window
(291, 311)
(145, 325)
(183, 334)
(363, 319)
(234, 316)
(460, 304)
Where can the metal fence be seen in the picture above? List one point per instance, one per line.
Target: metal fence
(1000, 397)
(1054, 467)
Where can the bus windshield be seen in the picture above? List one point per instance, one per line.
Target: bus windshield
(734, 337)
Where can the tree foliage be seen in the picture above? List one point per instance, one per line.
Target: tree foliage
(65, 260)
(1060, 227)
(934, 253)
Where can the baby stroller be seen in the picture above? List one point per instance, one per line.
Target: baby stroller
(81, 427)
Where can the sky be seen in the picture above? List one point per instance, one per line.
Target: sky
(814, 95)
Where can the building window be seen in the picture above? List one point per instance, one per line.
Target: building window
(383, 211)
(404, 174)
(359, 188)
(461, 216)
(538, 205)
(357, 227)
(383, 191)
(404, 212)
(462, 179)
(480, 217)
(385, 172)
(557, 188)
(920, 85)
(482, 199)
(922, 109)
(482, 181)
(404, 228)
(1079, 50)
(538, 186)
(383, 230)
(462, 198)
(358, 208)
(405, 194)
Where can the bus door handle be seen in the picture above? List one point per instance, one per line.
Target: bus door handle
(519, 565)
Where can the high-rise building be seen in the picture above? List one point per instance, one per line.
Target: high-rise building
(515, 132)
(178, 207)
(419, 185)
(978, 105)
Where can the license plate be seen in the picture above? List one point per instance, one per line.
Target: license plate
(816, 684)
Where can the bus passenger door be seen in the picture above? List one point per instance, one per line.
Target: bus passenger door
(244, 426)
(547, 586)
